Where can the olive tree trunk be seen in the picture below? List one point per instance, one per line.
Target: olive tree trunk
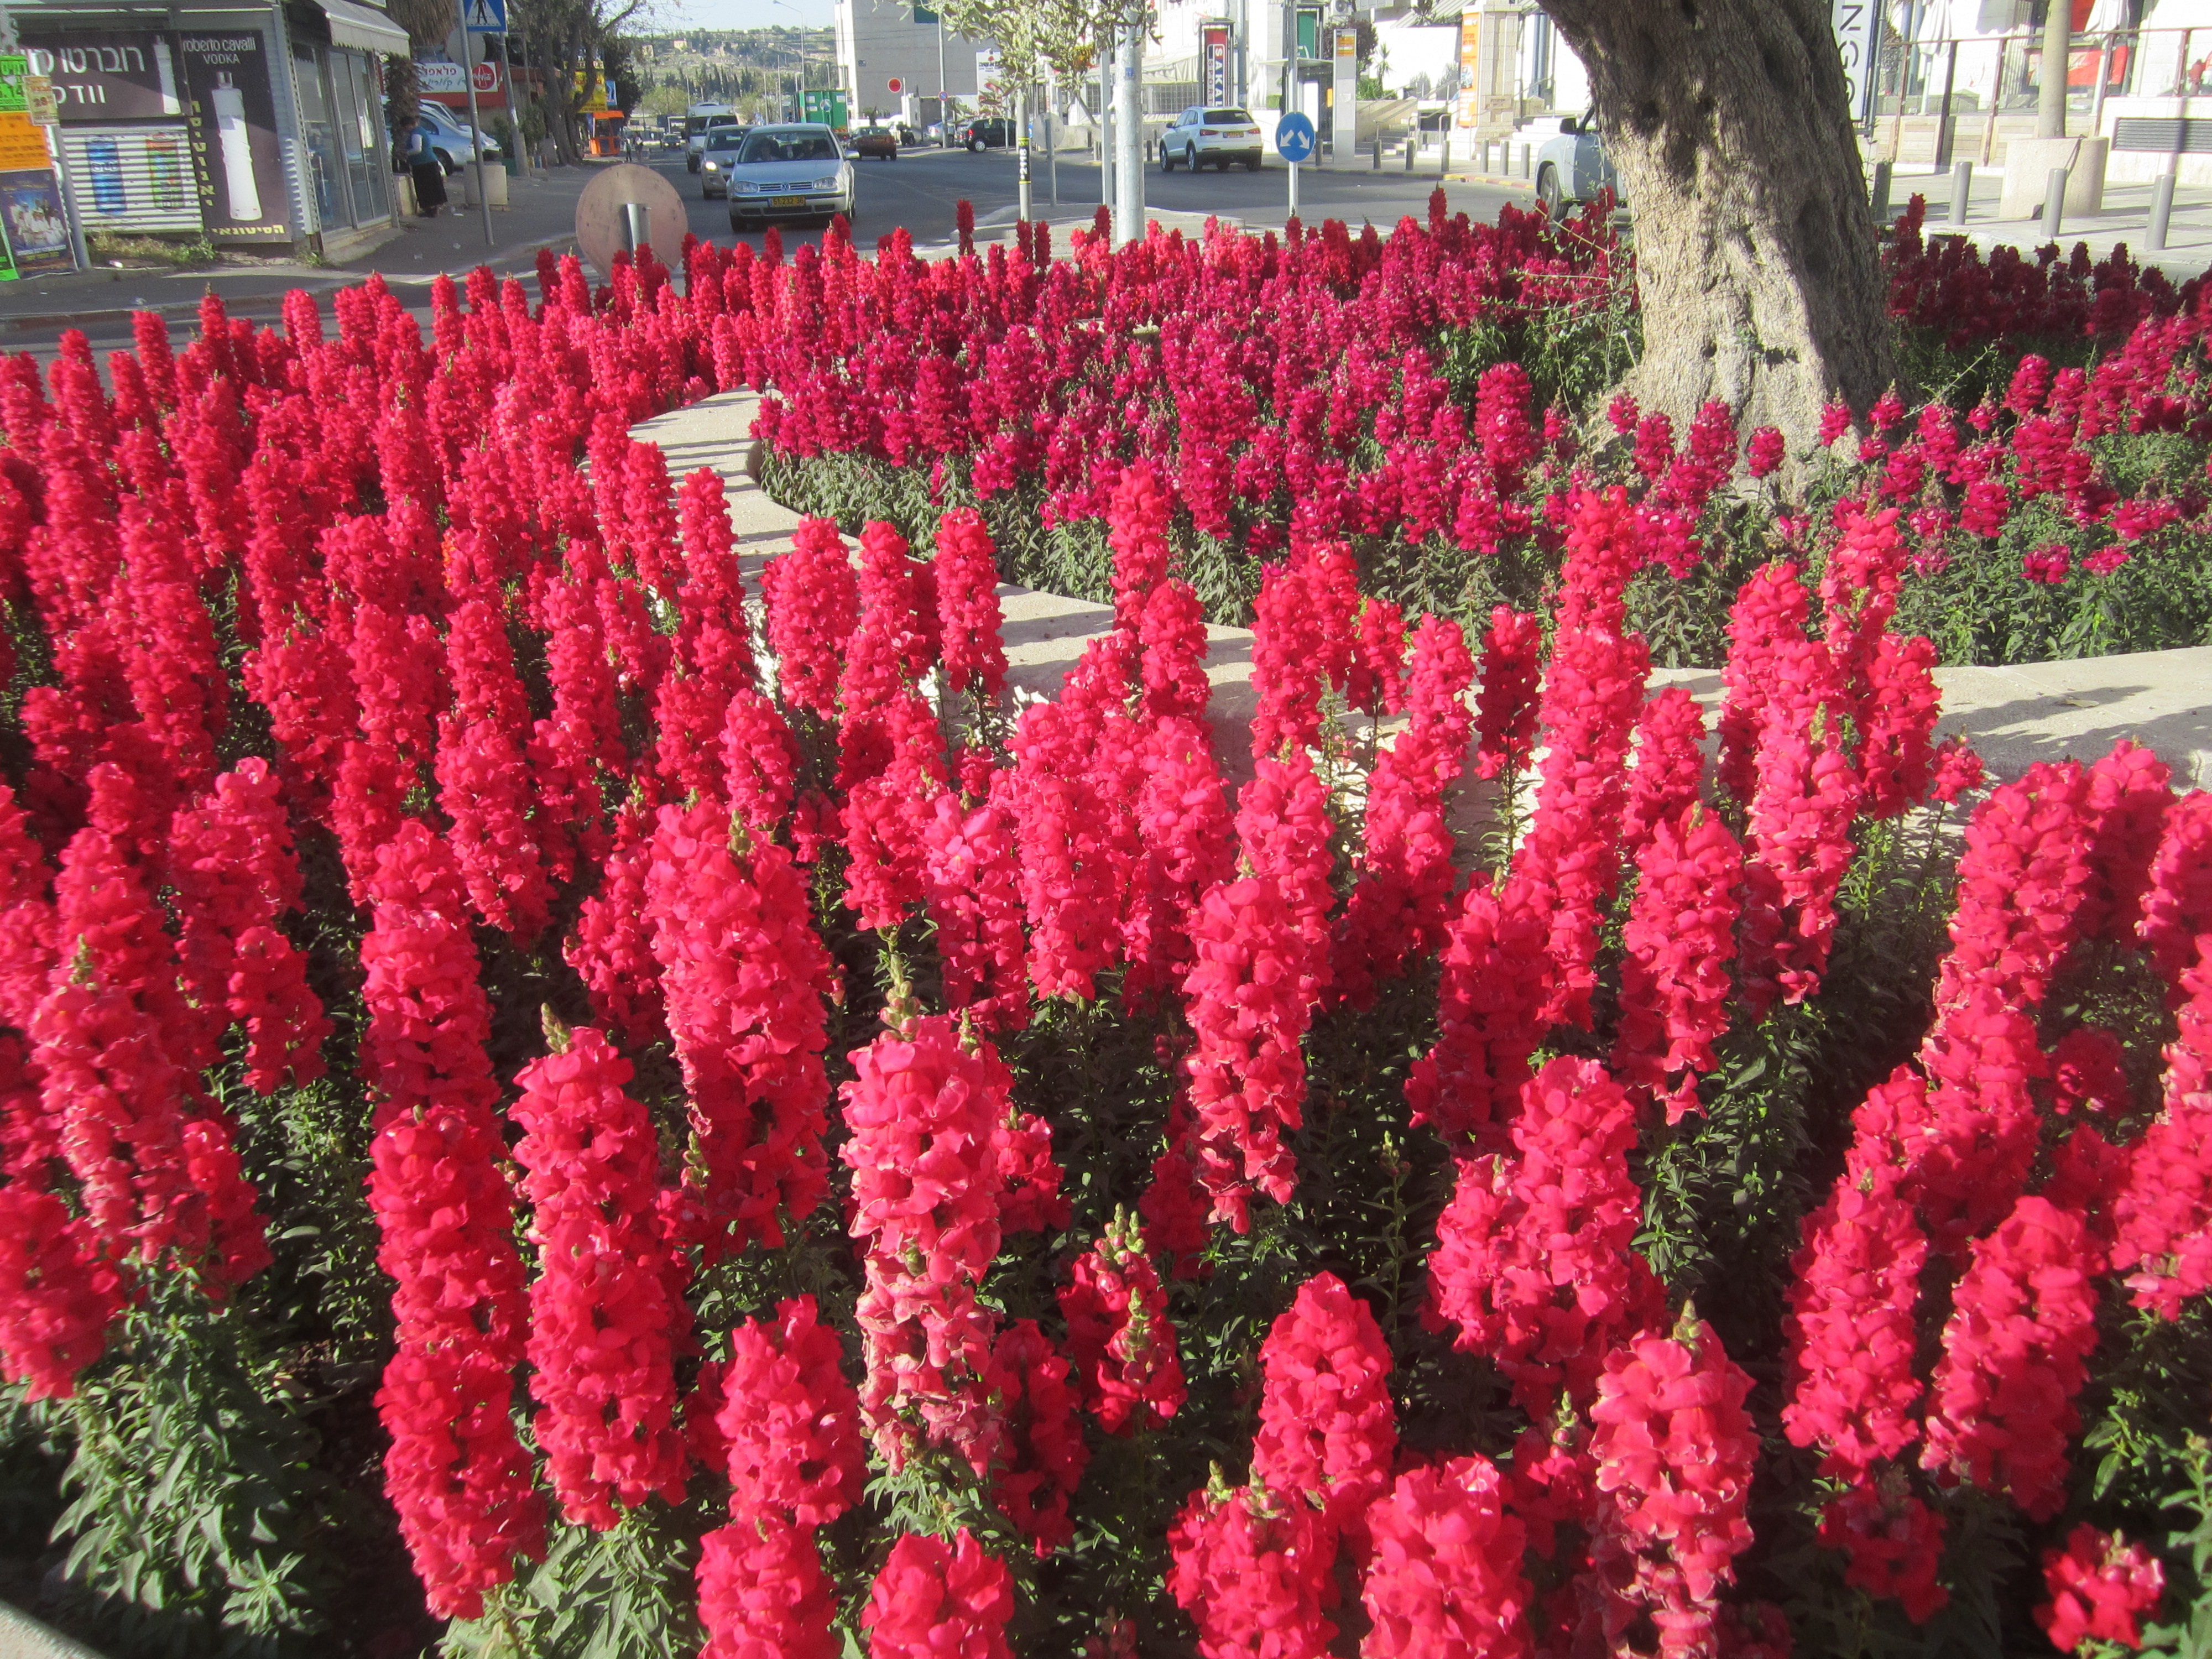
(1755, 250)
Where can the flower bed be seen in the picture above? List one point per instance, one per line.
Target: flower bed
(536, 1105)
(1428, 397)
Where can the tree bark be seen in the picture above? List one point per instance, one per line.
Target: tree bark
(1755, 249)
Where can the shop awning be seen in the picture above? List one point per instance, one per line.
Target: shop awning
(364, 29)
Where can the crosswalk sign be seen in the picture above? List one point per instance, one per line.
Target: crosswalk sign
(484, 16)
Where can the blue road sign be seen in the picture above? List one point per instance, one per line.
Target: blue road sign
(1294, 136)
(484, 16)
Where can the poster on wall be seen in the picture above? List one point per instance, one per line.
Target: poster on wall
(33, 226)
(37, 232)
(1469, 109)
(243, 197)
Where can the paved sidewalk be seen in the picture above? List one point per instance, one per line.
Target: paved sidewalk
(2013, 717)
(2123, 222)
(542, 213)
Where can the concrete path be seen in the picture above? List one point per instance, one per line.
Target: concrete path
(2013, 717)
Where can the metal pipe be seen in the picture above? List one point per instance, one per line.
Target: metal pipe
(1879, 199)
(2054, 202)
(1962, 191)
(2161, 210)
(1944, 136)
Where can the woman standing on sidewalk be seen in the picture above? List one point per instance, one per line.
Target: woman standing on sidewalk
(428, 172)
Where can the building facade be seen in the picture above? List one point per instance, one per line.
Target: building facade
(880, 41)
(255, 126)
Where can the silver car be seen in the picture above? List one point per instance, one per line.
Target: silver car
(1574, 167)
(720, 150)
(792, 172)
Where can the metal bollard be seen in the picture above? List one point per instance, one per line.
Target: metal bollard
(1444, 166)
(1879, 198)
(1524, 162)
(1412, 149)
(1378, 152)
(1962, 191)
(2054, 202)
(2161, 210)
(636, 225)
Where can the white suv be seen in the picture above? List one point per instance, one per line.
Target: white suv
(1220, 136)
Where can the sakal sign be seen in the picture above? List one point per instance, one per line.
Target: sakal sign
(1856, 23)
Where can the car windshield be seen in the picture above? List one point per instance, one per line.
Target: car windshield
(1227, 118)
(761, 146)
(724, 138)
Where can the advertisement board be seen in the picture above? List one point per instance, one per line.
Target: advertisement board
(1213, 39)
(243, 197)
(133, 178)
(110, 77)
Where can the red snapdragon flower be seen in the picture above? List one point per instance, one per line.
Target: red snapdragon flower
(2099, 1585)
(1327, 1432)
(1445, 1581)
(936, 1599)
(1119, 1336)
(1252, 1568)
(744, 976)
(928, 1116)
(607, 1312)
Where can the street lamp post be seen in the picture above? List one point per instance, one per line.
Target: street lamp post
(799, 55)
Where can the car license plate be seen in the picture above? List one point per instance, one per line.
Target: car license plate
(787, 202)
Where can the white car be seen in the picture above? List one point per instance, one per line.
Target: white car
(1211, 138)
(453, 141)
(794, 171)
(694, 143)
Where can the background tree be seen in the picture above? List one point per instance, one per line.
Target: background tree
(1755, 248)
(564, 40)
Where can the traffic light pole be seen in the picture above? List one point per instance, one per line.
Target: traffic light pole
(476, 121)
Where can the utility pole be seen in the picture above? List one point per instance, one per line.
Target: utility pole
(1022, 193)
(2058, 51)
(1129, 134)
(944, 96)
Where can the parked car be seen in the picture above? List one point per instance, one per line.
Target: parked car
(1574, 167)
(788, 171)
(1211, 138)
(980, 132)
(453, 141)
(696, 129)
(877, 141)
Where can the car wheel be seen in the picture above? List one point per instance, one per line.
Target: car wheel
(975, 146)
(737, 226)
(690, 164)
(1167, 159)
(1252, 165)
(1548, 192)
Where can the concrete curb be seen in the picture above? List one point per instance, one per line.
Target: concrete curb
(22, 1637)
(514, 260)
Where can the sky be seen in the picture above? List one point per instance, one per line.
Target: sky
(675, 15)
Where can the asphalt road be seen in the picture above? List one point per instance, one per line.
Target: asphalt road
(922, 188)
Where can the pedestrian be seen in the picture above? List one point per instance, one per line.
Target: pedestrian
(429, 173)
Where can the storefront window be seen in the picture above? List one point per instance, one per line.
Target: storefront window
(353, 81)
(324, 168)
